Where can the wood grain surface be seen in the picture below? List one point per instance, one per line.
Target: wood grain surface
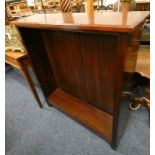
(97, 120)
(106, 21)
(80, 60)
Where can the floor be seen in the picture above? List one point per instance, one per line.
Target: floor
(34, 131)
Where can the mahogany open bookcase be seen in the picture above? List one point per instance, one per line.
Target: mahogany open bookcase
(80, 61)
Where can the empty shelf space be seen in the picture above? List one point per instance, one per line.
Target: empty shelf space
(97, 120)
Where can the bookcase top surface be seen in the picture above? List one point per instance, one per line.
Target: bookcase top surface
(104, 21)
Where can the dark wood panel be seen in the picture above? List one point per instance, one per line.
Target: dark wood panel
(121, 54)
(98, 57)
(83, 65)
(36, 51)
(97, 120)
(64, 59)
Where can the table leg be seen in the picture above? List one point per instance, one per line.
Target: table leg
(24, 69)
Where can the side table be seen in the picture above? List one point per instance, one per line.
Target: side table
(20, 61)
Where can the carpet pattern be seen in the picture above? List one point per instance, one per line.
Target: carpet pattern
(34, 131)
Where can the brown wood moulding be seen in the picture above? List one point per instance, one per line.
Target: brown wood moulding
(80, 64)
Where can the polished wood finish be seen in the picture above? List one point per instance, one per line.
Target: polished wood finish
(14, 58)
(80, 64)
(15, 54)
(82, 75)
(106, 21)
(94, 118)
(20, 61)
